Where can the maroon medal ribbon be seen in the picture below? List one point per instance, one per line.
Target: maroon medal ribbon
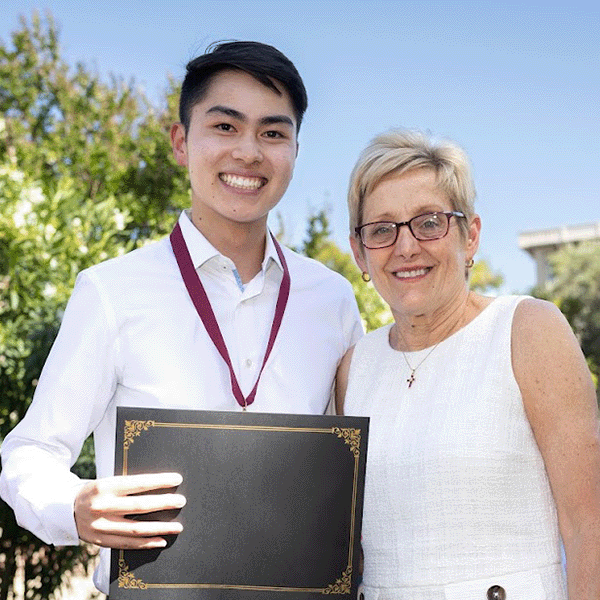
(205, 312)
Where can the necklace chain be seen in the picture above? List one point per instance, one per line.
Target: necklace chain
(411, 379)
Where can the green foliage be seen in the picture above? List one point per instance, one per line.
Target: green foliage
(483, 279)
(106, 139)
(42, 247)
(86, 173)
(318, 245)
(575, 289)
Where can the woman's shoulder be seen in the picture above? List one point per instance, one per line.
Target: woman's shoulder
(543, 343)
(533, 315)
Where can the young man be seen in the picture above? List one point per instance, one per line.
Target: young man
(131, 335)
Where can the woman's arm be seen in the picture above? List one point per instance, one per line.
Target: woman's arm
(560, 402)
(341, 381)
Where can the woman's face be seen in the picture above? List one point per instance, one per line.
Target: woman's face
(416, 277)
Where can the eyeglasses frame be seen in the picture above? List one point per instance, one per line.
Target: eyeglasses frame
(449, 214)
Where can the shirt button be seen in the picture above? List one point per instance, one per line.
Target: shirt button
(248, 362)
(496, 592)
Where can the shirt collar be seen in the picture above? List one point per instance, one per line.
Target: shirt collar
(270, 254)
(201, 250)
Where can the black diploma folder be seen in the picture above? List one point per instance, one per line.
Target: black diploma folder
(274, 505)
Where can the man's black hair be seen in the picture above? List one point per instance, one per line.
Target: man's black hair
(265, 63)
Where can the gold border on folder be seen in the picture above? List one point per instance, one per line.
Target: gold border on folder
(351, 437)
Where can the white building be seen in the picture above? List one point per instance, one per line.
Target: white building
(540, 244)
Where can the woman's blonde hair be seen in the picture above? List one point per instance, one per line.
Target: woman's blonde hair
(399, 151)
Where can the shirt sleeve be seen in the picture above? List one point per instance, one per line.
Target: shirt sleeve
(352, 330)
(77, 382)
(353, 322)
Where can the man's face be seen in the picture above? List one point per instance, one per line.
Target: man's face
(240, 151)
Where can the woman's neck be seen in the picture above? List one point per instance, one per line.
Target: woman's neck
(416, 332)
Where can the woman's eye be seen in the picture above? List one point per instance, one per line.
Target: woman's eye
(431, 222)
(382, 230)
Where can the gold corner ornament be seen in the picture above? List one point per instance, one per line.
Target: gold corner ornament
(351, 437)
(127, 580)
(133, 429)
(342, 585)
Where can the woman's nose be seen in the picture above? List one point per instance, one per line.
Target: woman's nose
(406, 243)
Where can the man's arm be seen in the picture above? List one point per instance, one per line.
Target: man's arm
(77, 383)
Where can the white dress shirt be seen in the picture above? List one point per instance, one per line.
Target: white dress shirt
(130, 336)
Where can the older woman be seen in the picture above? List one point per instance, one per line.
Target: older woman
(484, 445)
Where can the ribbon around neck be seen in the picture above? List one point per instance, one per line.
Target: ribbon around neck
(205, 312)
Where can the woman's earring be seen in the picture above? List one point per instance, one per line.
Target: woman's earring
(366, 277)
(469, 263)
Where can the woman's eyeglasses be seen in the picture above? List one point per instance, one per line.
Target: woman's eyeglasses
(430, 226)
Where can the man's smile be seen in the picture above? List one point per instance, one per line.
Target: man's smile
(245, 183)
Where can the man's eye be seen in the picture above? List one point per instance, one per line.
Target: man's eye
(225, 126)
(274, 134)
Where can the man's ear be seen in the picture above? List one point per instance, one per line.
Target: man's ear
(359, 253)
(178, 144)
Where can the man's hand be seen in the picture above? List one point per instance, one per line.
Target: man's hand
(102, 507)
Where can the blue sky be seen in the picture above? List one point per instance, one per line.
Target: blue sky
(517, 84)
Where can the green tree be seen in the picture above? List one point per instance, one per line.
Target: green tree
(575, 289)
(86, 173)
(483, 279)
(41, 248)
(106, 137)
(318, 245)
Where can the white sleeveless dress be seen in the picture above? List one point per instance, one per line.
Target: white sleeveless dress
(457, 497)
